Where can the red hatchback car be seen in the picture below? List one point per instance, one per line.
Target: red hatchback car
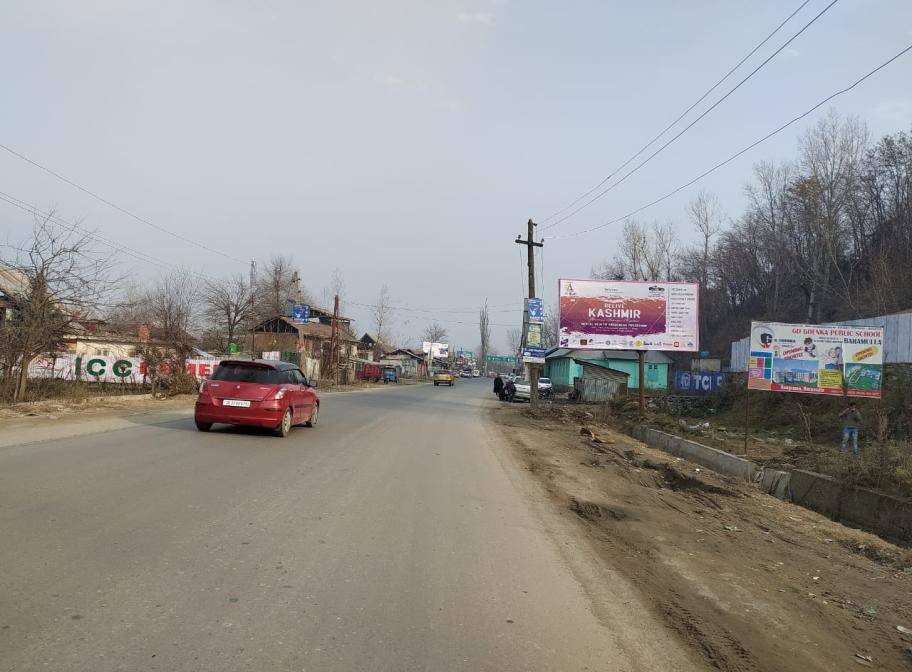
(257, 393)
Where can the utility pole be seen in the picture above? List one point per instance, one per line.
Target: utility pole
(530, 262)
(334, 343)
(296, 283)
(253, 280)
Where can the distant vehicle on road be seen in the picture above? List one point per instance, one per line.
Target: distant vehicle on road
(466, 374)
(524, 389)
(371, 372)
(476, 373)
(444, 378)
(259, 393)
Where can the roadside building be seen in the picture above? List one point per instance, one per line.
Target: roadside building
(563, 365)
(372, 348)
(408, 363)
(308, 344)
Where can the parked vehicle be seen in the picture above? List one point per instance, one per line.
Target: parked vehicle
(524, 389)
(390, 375)
(371, 372)
(258, 393)
(444, 378)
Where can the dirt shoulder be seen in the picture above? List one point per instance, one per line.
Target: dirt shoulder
(752, 583)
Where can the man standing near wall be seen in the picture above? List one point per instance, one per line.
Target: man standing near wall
(851, 420)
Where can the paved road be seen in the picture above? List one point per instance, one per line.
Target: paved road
(394, 536)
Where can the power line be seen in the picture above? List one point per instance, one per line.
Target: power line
(682, 115)
(742, 151)
(682, 131)
(465, 311)
(108, 242)
(117, 207)
(73, 228)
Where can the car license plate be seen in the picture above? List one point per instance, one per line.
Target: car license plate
(240, 403)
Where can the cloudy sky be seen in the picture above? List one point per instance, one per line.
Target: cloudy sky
(407, 143)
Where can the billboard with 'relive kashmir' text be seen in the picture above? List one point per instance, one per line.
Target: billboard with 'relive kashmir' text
(629, 315)
(813, 359)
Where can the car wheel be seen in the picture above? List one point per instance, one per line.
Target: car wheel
(203, 426)
(313, 417)
(284, 426)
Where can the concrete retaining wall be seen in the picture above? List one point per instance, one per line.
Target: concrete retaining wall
(711, 458)
(889, 517)
(886, 516)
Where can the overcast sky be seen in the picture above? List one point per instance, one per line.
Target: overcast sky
(407, 143)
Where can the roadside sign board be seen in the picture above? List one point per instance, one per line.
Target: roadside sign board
(622, 315)
(698, 381)
(300, 313)
(813, 359)
(502, 359)
(535, 311)
(533, 355)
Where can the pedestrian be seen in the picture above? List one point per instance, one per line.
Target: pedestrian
(851, 418)
(509, 391)
(498, 387)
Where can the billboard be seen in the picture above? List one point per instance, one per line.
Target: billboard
(812, 359)
(437, 350)
(627, 315)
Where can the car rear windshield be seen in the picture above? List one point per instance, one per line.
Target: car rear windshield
(241, 373)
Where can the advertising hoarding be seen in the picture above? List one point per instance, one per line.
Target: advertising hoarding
(627, 315)
(437, 350)
(535, 310)
(812, 359)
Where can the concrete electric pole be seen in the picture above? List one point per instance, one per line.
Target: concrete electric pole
(530, 259)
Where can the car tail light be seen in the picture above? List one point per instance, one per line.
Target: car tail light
(278, 394)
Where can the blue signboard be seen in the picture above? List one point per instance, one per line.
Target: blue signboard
(703, 382)
(535, 310)
(300, 312)
(536, 355)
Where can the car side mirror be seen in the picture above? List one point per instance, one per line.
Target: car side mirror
(312, 384)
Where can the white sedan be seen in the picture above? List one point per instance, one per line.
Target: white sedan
(524, 389)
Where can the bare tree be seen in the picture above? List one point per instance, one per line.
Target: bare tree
(551, 327)
(484, 332)
(382, 313)
(275, 289)
(706, 215)
(435, 333)
(172, 306)
(514, 339)
(63, 279)
(336, 288)
(228, 304)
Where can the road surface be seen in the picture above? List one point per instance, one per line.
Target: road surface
(396, 535)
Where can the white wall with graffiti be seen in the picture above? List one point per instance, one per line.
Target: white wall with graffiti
(107, 369)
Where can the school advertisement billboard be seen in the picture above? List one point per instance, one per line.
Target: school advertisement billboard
(811, 359)
(627, 315)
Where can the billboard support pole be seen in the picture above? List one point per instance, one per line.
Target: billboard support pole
(641, 363)
(747, 395)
